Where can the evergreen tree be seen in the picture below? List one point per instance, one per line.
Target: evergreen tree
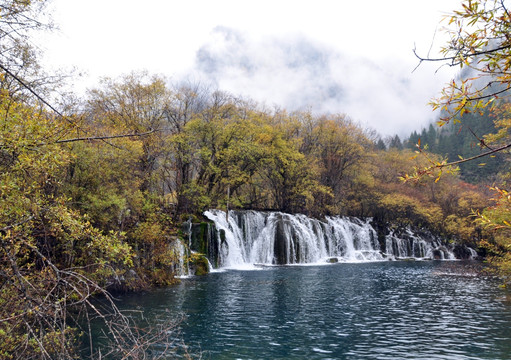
(395, 143)
(380, 145)
(413, 140)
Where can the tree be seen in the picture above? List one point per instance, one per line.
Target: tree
(136, 103)
(380, 145)
(51, 259)
(188, 102)
(20, 72)
(395, 142)
(128, 185)
(481, 46)
(292, 178)
(339, 147)
(412, 140)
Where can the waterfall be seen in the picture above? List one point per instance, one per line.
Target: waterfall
(473, 253)
(409, 245)
(182, 269)
(275, 238)
(352, 239)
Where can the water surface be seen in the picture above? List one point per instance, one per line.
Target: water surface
(379, 310)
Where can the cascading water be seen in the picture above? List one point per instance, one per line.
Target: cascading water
(410, 245)
(181, 268)
(274, 238)
(352, 239)
(473, 253)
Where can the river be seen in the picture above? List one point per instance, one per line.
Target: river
(365, 310)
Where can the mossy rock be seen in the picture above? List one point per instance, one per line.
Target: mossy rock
(187, 217)
(199, 264)
(197, 235)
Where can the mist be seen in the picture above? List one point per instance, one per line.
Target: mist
(296, 73)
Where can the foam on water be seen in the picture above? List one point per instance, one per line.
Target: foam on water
(255, 238)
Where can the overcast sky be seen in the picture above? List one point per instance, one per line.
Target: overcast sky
(352, 57)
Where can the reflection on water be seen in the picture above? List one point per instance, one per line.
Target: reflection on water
(383, 310)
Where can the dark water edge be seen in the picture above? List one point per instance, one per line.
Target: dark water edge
(379, 310)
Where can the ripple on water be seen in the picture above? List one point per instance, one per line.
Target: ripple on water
(392, 310)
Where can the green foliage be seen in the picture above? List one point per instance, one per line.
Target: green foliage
(456, 139)
(40, 235)
(480, 45)
(199, 263)
(82, 205)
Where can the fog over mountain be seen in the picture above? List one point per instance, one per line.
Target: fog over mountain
(340, 57)
(296, 73)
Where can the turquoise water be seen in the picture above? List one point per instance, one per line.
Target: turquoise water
(380, 310)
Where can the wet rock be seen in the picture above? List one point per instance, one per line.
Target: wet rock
(199, 265)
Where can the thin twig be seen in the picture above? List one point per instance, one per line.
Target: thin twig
(474, 157)
(90, 138)
(31, 90)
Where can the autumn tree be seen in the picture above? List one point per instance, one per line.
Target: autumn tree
(188, 101)
(480, 46)
(291, 177)
(20, 72)
(51, 258)
(342, 148)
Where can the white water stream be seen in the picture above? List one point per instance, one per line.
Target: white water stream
(274, 238)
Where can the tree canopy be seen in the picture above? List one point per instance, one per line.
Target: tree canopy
(480, 46)
(94, 201)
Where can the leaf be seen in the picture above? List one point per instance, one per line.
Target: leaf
(439, 176)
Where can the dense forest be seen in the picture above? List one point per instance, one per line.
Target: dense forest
(464, 139)
(104, 190)
(94, 190)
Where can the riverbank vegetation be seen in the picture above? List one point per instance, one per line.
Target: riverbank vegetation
(203, 149)
(93, 194)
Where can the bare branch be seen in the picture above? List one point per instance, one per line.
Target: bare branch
(504, 147)
(457, 56)
(5, 228)
(106, 137)
(482, 143)
(22, 83)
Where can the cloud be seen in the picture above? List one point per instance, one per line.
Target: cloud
(295, 72)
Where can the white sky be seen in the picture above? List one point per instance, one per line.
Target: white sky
(360, 52)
